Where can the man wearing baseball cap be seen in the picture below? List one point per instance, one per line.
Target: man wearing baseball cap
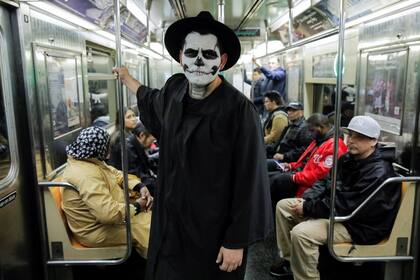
(212, 196)
(294, 139)
(302, 224)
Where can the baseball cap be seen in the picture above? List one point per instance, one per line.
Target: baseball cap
(295, 106)
(364, 125)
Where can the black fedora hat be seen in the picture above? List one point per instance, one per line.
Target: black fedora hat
(176, 33)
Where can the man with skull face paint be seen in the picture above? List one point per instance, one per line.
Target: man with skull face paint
(212, 198)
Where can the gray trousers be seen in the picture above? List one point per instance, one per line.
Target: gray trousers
(299, 239)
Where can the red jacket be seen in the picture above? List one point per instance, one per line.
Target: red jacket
(318, 165)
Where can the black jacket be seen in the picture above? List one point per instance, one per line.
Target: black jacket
(293, 141)
(257, 94)
(213, 187)
(356, 180)
(138, 162)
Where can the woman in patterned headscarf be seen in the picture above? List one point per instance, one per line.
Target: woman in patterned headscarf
(96, 213)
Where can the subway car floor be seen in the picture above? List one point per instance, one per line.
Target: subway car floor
(261, 256)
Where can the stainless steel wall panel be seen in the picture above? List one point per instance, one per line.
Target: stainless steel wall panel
(20, 253)
(399, 31)
(398, 28)
(48, 34)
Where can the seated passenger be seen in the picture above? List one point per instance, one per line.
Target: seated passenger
(99, 115)
(96, 212)
(313, 165)
(138, 161)
(294, 139)
(302, 223)
(130, 121)
(277, 118)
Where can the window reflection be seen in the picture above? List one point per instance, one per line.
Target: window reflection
(101, 88)
(63, 94)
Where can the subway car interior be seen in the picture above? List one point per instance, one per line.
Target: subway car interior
(56, 78)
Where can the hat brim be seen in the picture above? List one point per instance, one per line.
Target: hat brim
(293, 108)
(176, 33)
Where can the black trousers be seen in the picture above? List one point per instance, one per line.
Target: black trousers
(166, 270)
(281, 186)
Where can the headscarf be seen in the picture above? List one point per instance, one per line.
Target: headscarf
(92, 142)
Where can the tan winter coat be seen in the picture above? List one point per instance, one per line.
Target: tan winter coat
(96, 213)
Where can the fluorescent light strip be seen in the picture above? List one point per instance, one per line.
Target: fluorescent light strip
(63, 14)
(52, 20)
(301, 7)
(139, 13)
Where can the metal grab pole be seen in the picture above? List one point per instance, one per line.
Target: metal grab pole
(221, 11)
(290, 5)
(337, 127)
(117, 25)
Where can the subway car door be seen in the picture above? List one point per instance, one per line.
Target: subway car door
(20, 242)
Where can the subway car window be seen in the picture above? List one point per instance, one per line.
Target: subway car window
(385, 87)
(6, 158)
(5, 161)
(63, 94)
(324, 98)
(102, 87)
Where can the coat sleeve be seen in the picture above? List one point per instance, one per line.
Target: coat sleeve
(298, 164)
(151, 106)
(250, 213)
(317, 208)
(133, 180)
(279, 123)
(309, 177)
(276, 74)
(96, 195)
(317, 199)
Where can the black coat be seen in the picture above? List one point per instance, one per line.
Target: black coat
(213, 186)
(293, 141)
(356, 180)
(139, 163)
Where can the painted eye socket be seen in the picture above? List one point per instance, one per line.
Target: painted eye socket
(190, 53)
(210, 54)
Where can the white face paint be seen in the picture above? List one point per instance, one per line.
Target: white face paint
(201, 58)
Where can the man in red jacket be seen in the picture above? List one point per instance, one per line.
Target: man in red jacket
(314, 164)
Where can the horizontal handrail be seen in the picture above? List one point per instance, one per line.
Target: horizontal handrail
(57, 184)
(386, 182)
(86, 262)
(346, 218)
(116, 261)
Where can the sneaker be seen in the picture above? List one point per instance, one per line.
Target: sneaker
(282, 270)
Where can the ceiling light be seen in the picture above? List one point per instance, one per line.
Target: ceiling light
(137, 12)
(63, 14)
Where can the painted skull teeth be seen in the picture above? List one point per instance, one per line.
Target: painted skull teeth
(201, 58)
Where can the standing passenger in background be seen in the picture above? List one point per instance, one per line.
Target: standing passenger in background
(275, 77)
(212, 195)
(277, 117)
(257, 95)
(130, 121)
